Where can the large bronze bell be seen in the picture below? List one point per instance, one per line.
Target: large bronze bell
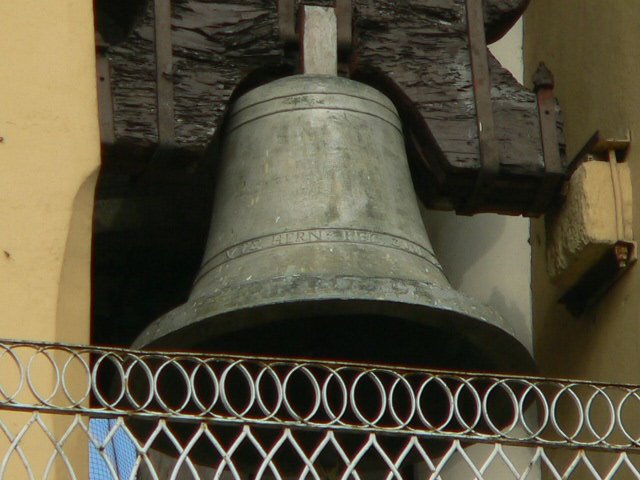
(317, 247)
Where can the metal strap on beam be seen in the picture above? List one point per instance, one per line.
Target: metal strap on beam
(489, 156)
(554, 172)
(164, 73)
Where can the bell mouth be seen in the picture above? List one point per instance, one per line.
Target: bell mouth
(342, 318)
(362, 319)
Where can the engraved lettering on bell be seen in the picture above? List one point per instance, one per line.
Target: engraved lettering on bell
(326, 235)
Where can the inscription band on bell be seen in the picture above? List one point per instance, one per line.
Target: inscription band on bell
(318, 235)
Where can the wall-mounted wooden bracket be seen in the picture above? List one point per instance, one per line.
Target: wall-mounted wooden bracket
(590, 240)
(599, 147)
(595, 283)
(429, 57)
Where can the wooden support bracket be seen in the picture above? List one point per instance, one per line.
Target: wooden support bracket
(590, 240)
(405, 49)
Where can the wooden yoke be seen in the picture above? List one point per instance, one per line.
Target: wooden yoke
(418, 52)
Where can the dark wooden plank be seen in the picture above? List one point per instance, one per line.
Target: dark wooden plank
(105, 100)
(438, 84)
(344, 14)
(164, 73)
(419, 46)
(489, 155)
(287, 21)
(217, 44)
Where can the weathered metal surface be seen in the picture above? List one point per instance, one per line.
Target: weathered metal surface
(555, 170)
(317, 247)
(416, 51)
(150, 204)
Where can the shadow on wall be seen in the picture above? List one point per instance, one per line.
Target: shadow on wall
(74, 291)
(512, 310)
(461, 242)
(489, 258)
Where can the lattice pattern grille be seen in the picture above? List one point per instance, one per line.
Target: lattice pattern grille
(124, 414)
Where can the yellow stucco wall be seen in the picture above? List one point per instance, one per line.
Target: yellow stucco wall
(591, 46)
(49, 125)
(49, 153)
(592, 50)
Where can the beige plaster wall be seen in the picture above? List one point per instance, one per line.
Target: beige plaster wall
(593, 53)
(49, 152)
(50, 147)
(591, 46)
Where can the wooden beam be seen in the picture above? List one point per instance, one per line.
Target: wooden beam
(486, 131)
(418, 50)
(164, 73)
(105, 100)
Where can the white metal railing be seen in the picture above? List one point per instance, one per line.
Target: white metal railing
(181, 415)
